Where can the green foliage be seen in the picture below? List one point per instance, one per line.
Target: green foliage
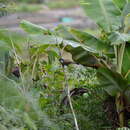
(62, 4)
(27, 102)
(120, 3)
(24, 7)
(29, 1)
(114, 39)
(112, 81)
(41, 86)
(108, 14)
(32, 28)
(96, 45)
(20, 109)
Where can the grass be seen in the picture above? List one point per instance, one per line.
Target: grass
(62, 4)
(24, 7)
(55, 4)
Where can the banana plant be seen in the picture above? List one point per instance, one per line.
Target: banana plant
(109, 52)
(113, 19)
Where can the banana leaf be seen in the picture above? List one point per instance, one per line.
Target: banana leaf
(111, 81)
(103, 12)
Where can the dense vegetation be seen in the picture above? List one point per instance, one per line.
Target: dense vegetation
(41, 90)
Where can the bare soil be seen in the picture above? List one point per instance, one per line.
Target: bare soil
(48, 19)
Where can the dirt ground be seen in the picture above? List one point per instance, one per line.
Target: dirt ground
(48, 19)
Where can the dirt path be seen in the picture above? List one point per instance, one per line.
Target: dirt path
(48, 19)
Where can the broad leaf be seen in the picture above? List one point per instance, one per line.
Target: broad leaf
(12, 38)
(126, 10)
(33, 28)
(92, 42)
(120, 3)
(16, 42)
(103, 12)
(63, 31)
(126, 63)
(80, 53)
(125, 13)
(83, 57)
(112, 81)
(117, 38)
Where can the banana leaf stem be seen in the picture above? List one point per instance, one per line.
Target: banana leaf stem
(119, 98)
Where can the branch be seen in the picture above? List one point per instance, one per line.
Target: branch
(69, 99)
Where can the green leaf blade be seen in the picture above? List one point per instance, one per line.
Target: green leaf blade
(112, 81)
(118, 38)
(92, 42)
(32, 28)
(103, 12)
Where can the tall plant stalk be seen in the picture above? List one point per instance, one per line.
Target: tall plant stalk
(120, 96)
(69, 99)
(120, 54)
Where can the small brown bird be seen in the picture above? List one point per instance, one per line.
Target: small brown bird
(66, 62)
(16, 72)
(76, 92)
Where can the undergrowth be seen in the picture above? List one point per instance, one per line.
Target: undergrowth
(37, 104)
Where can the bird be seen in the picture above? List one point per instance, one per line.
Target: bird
(76, 92)
(16, 72)
(66, 62)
